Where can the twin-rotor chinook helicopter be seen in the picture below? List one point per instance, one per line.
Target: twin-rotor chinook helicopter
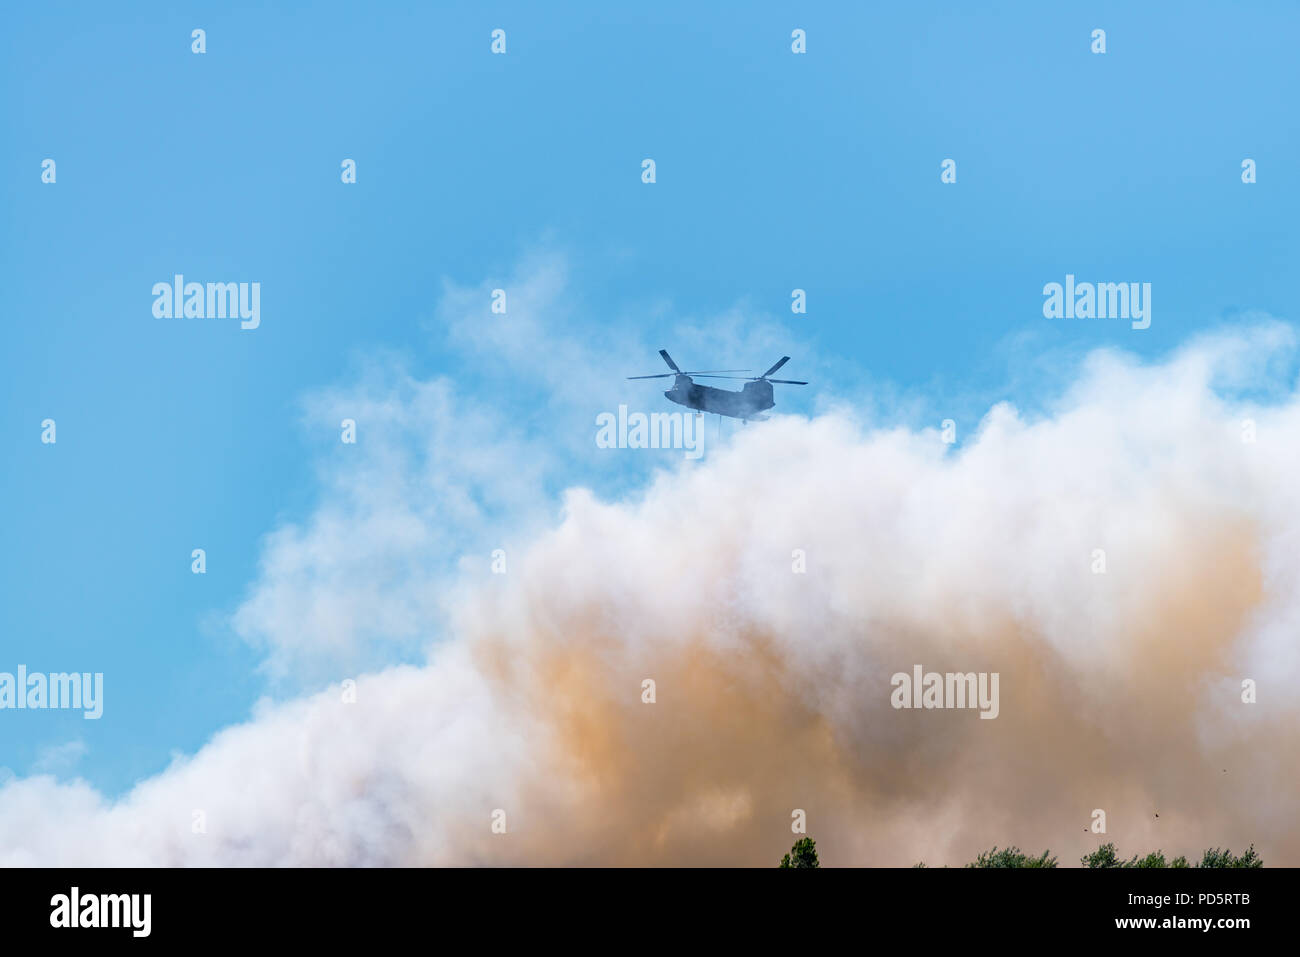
(753, 398)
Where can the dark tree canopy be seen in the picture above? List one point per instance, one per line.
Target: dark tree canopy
(803, 854)
(1108, 856)
(1012, 857)
(1224, 858)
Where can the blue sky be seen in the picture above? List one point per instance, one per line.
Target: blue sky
(775, 171)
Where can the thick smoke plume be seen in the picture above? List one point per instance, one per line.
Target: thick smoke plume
(1120, 691)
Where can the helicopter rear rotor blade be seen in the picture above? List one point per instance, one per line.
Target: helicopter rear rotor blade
(788, 381)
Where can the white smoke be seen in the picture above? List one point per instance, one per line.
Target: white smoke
(1119, 691)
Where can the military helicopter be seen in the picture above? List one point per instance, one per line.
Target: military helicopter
(753, 398)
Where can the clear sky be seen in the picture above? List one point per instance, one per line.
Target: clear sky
(775, 171)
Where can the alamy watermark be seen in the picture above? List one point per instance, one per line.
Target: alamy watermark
(76, 909)
(658, 430)
(949, 690)
(179, 299)
(1102, 300)
(60, 691)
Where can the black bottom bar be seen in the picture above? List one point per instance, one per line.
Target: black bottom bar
(331, 907)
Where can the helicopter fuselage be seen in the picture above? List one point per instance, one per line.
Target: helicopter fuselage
(748, 403)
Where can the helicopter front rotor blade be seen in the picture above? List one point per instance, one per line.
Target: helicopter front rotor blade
(788, 381)
(669, 359)
(784, 360)
(662, 375)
